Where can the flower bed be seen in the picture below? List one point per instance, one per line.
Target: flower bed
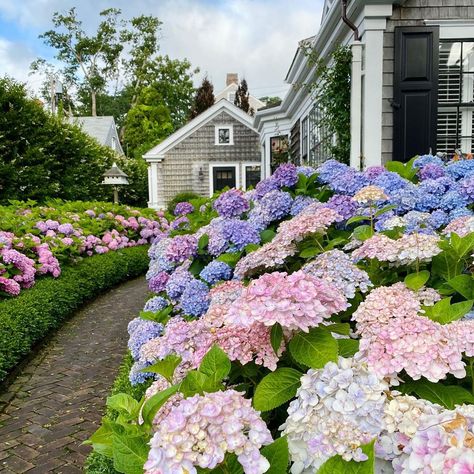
(37, 241)
(321, 323)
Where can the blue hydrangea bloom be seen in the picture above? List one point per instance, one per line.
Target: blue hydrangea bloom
(258, 218)
(349, 182)
(460, 169)
(452, 200)
(136, 376)
(426, 202)
(438, 219)
(427, 159)
(328, 171)
(140, 333)
(466, 188)
(390, 182)
(177, 283)
(195, 299)
(343, 205)
(155, 304)
(305, 170)
(239, 233)
(405, 199)
(459, 212)
(300, 203)
(264, 187)
(216, 271)
(276, 204)
(232, 203)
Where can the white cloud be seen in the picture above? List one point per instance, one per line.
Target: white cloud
(15, 59)
(256, 38)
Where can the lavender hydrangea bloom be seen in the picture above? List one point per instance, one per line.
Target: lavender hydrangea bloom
(181, 222)
(417, 222)
(349, 182)
(405, 199)
(141, 333)
(259, 218)
(466, 188)
(239, 233)
(157, 283)
(232, 203)
(276, 204)
(373, 172)
(343, 205)
(286, 175)
(427, 159)
(177, 283)
(216, 271)
(305, 170)
(66, 229)
(300, 203)
(431, 171)
(181, 248)
(155, 304)
(136, 376)
(195, 298)
(183, 208)
(264, 187)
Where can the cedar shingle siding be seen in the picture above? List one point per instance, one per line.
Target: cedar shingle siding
(412, 13)
(182, 163)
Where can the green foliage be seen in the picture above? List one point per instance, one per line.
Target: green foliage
(337, 465)
(181, 197)
(27, 318)
(277, 455)
(165, 367)
(415, 281)
(242, 98)
(203, 98)
(276, 388)
(406, 170)
(444, 312)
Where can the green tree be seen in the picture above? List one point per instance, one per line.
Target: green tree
(270, 101)
(89, 60)
(242, 98)
(203, 99)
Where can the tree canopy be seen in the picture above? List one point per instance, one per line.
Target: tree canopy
(242, 98)
(204, 98)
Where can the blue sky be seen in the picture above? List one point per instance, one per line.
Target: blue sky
(256, 38)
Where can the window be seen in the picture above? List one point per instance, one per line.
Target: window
(455, 122)
(304, 140)
(251, 175)
(224, 135)
(222, 176)
(319, 138)
(279, 151)
(231, 97)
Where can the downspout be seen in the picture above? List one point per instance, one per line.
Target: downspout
(356, 160)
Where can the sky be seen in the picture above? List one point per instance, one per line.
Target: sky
(255, 38)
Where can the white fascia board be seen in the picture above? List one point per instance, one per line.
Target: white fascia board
(186, 130)
(453, 29)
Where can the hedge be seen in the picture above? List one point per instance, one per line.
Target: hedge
(26, 319)
(97, 463)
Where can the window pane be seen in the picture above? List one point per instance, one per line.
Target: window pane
(252, 175)
(467, 88)
(449, 72)
(468, 57)
(448, 124)
(224, 135)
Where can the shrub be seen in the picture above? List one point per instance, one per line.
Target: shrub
(26, 319)
(181, 197)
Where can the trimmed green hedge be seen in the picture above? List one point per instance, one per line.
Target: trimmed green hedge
(26, 319)
(97, 463)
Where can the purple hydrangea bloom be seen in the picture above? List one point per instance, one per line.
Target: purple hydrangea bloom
(216, 271)
(373, 172)
(328, 171)
(181, 222)
(66, 229)
(183, 208)
(177, 282)
(286, 175)
(305, 170)
(232, 203)
(141, 332)
(264, 187)
(155, 304)
(300, 203)
(431, 171)
(343, 205)
(195, 298)
(239, 233)
(349, 182)
(466, 188)
(276, 204)
(181, 248)
(427, 159)
(258, 218)
(158, 282)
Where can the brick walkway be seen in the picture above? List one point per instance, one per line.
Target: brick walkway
(58, 399)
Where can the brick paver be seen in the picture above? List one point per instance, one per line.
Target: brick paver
(58, 399)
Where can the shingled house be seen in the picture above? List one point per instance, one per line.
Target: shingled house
(216, 149)
(412, 83)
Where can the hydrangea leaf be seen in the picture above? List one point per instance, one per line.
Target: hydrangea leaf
(276, 335)
(276, 388)
(277, 455)
(215, 364)
(347, 347)
(123, 403)
(230, 258)
(444, 312)
(102, 439)
(267, 235)
(154, 403)
(415, 281)
(445, 395)
(363, 232)
(315, 348)
(464, 285)
(130, 453)
(165, 367)
(337, 465)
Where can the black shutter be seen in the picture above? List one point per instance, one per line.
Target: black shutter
(415, 91)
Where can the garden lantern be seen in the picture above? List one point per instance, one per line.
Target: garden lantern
(115, 177)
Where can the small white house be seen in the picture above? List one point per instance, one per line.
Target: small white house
(411, 83)
(216, 149)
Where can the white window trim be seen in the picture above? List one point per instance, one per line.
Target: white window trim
(453, 29)
(231, 134)
(220, 165)
(244, 174)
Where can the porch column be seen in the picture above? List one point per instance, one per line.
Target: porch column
(374, 24)
(268, 156)
(155, 185)
(356, 105)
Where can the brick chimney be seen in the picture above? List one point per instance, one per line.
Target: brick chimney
(232, 77)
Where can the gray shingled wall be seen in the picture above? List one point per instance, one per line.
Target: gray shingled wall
(412, 13)
(182, 163)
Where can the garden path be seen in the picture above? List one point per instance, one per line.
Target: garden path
(57, 400)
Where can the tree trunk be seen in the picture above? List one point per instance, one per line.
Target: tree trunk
(94, 103)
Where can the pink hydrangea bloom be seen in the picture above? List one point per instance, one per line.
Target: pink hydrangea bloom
(296, 301)
(201, 429)
(462, 226)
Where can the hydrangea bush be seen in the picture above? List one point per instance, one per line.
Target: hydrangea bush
(322, 323)
(37, 240)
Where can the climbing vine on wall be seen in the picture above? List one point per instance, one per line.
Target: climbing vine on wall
(332, 93)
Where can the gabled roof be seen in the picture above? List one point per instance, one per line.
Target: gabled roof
(195, 124)
(101, 128)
